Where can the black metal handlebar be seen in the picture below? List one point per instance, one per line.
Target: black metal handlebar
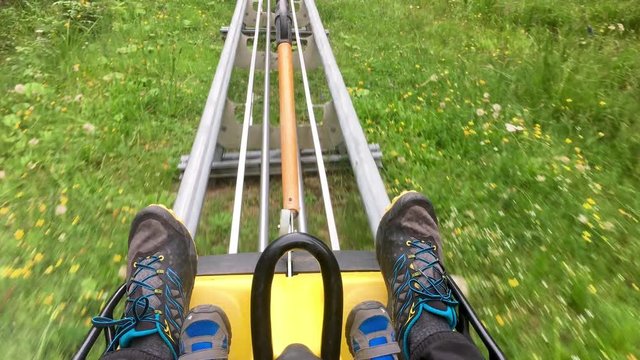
(467, 316)
(261, 295)
(93, 334)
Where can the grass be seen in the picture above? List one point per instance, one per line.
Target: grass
(519, 119)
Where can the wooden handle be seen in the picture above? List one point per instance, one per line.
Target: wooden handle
(288, 130)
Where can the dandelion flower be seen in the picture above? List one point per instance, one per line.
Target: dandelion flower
(74, 268)
(40, 223)
(117, 258)
(500, 320)
(48, 300)
(592, 289)
(513, 282)
(19, 234)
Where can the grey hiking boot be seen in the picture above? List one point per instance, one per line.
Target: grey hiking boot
(160, 275)
(409, 251)
(370, 333)
(206, 334)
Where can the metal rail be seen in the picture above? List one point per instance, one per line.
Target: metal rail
(322, 173)
(263, 235)
(190, 198)
(339, 119)
(248, 114)
(372, 190)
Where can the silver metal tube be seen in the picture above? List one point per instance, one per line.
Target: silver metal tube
(190, 198)
(302, 212)
(263, 236)
(372, 190)
(322, 173)
(248, 113)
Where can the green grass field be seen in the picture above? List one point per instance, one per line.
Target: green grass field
(518, 118)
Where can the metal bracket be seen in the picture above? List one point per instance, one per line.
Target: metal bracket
(230, 131)
(309, 51)
(251, 13)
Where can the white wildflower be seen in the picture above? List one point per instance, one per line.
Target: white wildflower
(89, 128)
(513, 128)
(60, 210)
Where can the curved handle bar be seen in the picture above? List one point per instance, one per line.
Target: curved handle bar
(261, 295)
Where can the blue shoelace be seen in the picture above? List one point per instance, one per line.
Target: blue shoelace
(139, 309)
(434, 290)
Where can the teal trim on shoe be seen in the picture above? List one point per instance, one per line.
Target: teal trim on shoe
(449, 315)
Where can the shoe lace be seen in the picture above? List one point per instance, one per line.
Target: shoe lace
(417, 282)
(139, 309)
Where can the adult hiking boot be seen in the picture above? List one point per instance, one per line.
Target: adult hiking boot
(409, 251)
(370, 334)
(206, 334)
(160, 275)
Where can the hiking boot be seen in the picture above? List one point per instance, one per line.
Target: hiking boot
(370, 334)
(206, 334)
(409, 251)
(160, 274)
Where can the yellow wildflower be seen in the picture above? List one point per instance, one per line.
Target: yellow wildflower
(117, 258)
(74, 268)
(48, 270)
(38, 258)
(513, 282)
(48, 300)
(592, 289)
(76, 220)
(568, 141)
(19, 234)
(500, 320)
(42, 208)
(40, 223)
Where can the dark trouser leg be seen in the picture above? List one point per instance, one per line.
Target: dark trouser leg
(129, 354)
(449, 345)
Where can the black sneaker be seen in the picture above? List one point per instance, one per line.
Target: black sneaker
(160, 275)
(409, 251)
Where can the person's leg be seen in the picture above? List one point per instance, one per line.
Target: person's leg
(160, 275)
(422, 308)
